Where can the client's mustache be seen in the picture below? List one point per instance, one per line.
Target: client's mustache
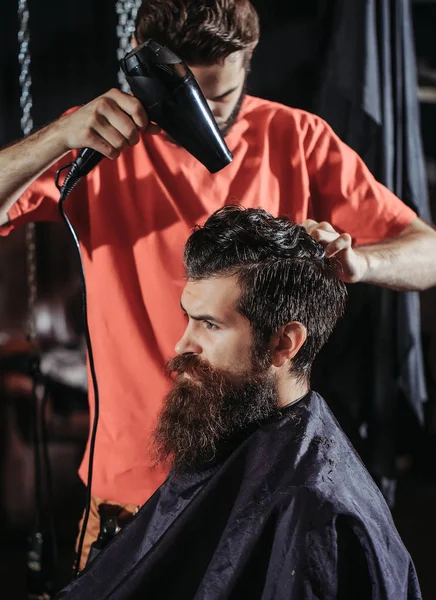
(190, 364)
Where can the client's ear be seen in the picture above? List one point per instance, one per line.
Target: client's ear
(286, 342)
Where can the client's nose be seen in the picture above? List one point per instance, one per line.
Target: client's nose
(187, 344)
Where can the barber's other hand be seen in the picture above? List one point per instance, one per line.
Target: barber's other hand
(350, 266)
(108, 124)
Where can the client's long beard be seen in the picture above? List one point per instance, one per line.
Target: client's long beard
(206, 409)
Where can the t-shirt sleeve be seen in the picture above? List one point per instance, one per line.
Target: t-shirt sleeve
(345, 193)
(39, 202)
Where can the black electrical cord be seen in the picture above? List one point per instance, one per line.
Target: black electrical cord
(48, 476)
(71, 180)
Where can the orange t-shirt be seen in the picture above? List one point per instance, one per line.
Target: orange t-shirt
(133, 216)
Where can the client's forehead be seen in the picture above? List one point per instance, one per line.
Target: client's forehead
(215, 296)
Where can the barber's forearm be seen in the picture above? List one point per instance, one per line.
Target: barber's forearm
(109, 124)
(405, 263)
(22, 162)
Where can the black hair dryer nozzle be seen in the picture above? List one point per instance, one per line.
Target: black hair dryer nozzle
(173, 99)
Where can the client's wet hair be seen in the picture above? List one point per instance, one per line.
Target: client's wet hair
(282, 270)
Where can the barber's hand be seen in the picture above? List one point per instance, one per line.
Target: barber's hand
(108, 124)
(350, 266)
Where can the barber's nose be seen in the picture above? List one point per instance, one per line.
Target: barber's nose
(215, 109)
(187, 344)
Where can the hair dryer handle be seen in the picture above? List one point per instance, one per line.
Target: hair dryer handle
(87, 160)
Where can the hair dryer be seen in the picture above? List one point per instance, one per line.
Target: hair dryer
(173, 99)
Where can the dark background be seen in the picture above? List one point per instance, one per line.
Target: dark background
(73, 59)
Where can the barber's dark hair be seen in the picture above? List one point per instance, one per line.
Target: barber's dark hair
(282, 270)
(200, 32)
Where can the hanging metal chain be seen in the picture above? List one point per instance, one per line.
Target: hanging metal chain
(26, 104)
(39, 569)
(126, 11)
(31, 283)
(24, 60)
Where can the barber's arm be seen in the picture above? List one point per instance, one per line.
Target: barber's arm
(405, 262)
(107, 124)
(374, 236)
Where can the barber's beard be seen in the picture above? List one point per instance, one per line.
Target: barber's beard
(228, 124)
(207, 410)
(226, 127)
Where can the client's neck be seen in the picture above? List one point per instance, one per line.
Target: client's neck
(290, 389)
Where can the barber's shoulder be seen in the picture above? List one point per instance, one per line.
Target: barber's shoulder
(285, 117)
(310, 124)
(255, 105)
(271, 118)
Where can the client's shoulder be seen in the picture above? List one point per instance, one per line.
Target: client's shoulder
(316, 460)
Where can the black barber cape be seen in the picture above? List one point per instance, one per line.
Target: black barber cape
(292, 513)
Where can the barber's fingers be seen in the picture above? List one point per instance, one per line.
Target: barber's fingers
(129, 105)
(108, 124)
(95, 141)
(325, 233)
(114, 119)
(111, 138)
(343, 242)
(310, 225)
(332, 240)
(118, 130)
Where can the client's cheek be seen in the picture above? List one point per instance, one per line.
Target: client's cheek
(242, 363)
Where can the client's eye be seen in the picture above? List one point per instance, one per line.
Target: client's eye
(210, 326)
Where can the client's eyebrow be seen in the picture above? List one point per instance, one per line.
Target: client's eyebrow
(201, 317)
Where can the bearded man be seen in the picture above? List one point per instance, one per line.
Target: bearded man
(266, 498)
